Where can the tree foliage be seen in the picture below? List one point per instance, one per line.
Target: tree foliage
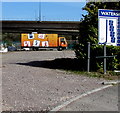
(9, 38)
(89, 33)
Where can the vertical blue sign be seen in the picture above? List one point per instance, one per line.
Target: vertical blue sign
(118, 31)
(109, 27)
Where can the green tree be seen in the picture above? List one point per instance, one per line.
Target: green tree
(9, 38)
(89, 33)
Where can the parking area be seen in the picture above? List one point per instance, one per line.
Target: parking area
(30, 83)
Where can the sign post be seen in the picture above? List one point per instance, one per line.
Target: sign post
(109, 29)
(104, 59)
(88, 62)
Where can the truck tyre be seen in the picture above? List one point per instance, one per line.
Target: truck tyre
(59, 48)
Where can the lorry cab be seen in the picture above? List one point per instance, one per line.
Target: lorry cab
(62, 43)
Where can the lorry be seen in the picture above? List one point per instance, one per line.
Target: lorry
(36, 41)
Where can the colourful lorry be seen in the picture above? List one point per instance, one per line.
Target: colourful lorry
(36, 41)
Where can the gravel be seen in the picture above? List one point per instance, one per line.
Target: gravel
(27, 87)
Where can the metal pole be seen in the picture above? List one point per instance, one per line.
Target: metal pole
(88, 63)
(39, 10)
(104, 58)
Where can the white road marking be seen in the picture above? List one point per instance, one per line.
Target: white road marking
(76, 98)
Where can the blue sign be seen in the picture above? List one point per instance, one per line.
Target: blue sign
(109, 27)
(109, 13)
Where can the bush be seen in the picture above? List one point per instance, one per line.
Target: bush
(89, 33)
(97, 50)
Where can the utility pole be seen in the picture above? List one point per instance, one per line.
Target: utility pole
(39, 10)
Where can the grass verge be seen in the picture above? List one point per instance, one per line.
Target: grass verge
(109, 75)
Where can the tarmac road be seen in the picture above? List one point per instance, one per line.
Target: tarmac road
(102, 100)
(30, 83)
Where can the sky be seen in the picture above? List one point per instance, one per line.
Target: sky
(44, 11)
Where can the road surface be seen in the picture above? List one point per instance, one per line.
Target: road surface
(30, 81)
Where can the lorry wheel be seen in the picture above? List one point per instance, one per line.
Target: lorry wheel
(59, 48)
(36, 49)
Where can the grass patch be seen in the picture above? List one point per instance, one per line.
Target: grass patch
(109, 75)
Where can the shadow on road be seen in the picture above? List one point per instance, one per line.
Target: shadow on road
(61, 63)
